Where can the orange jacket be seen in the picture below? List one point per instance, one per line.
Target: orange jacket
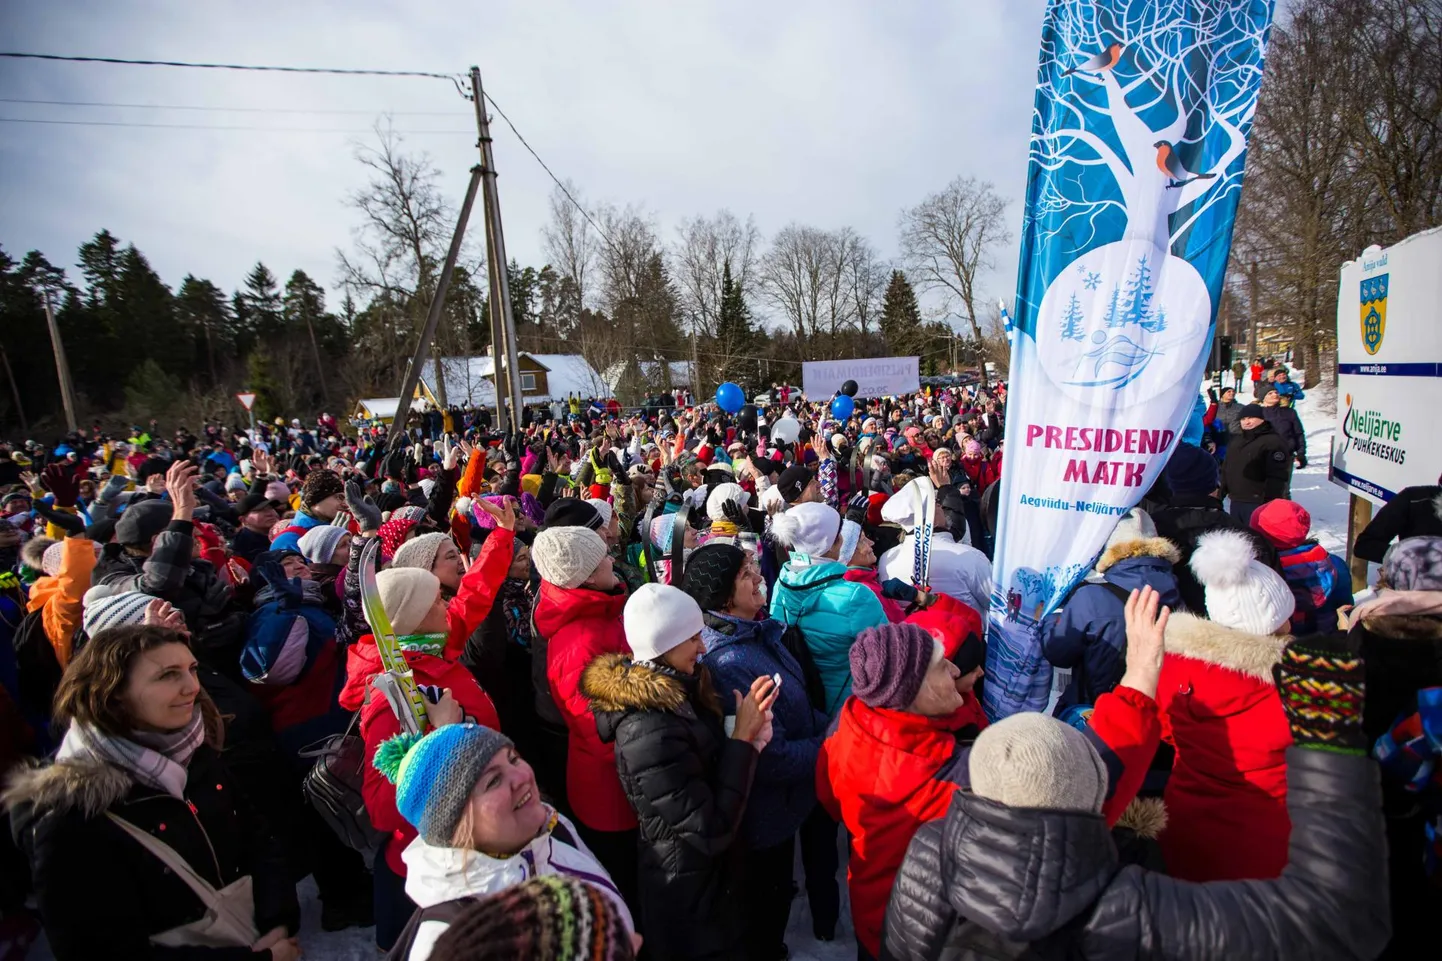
(61, 596)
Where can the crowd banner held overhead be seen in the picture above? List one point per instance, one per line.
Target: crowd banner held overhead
(874, 376)
(1139, 134)
(1389, 368)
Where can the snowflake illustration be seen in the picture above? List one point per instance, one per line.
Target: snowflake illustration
(1081, 269)
(1093, 281)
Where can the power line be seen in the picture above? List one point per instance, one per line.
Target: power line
(206, 126)
(219, 109)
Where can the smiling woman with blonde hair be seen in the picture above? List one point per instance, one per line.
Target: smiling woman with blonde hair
(139, 792)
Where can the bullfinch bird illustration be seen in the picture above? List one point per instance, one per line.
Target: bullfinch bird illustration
(1103, 61)
(1168, 164)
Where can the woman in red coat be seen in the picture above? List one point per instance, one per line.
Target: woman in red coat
(1226, 798)
(579, 613)
(432, 632)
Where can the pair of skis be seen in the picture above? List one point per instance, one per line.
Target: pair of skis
(396, 683)
(925, 496)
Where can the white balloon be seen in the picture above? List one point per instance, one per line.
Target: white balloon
(786, 429)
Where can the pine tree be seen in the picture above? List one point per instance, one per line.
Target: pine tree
(1114, 315)
(1138, 308)
(735, 334)
(263, 305)
(901, 316)
(203, 309)
(1157, 323)
(1072, 321)
(148, 326)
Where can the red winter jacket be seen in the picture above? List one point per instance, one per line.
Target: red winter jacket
(983, 473)
(579, 626)
(378, 722)
(1227, 795)
(895, 610)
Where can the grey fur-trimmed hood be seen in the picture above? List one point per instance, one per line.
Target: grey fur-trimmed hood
(75, 784)
(1200, 639)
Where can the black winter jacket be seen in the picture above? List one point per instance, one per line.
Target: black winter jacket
(688, 783)
(1184, 520)
(1258, 467)
(992, 881)
(1403, 654)
(102, 895)
(1286, 422)
(1414, 512)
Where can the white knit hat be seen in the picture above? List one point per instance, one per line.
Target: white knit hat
(102, 610)
(1241, 592)
(603, 507)
(720, 495)
(566, 556)
(808, 528)
(1031, 760)
(657, 617)
(419, 551)
(407, 595)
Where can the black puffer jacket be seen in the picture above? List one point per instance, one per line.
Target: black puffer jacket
(992, 881)
(102, 895)
(688, 783)
(1413, 512)
(1258, 467)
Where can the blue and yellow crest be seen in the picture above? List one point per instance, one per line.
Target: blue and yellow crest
(1374, 312)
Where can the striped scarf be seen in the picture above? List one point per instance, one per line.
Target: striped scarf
(156, 760)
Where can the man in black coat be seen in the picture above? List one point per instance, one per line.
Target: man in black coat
(1258, 467)
(1284, 420)
(1413, 512)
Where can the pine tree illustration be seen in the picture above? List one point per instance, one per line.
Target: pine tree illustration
(1157, 323)
(1114, 314)
(1072, 321)
(1138, 308)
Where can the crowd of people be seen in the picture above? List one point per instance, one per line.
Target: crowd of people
(666, 656)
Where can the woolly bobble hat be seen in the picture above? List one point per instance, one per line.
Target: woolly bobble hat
(711, 572)
(112, 610)
(1241, 592)
(657, 618)
(319, 543)
(1414, 564)
(407, 595)
(320, 484)
(553, 917)
(889, 664)
(1191, 470)
(1285, 524)
(566, 556)
(419, 551)
(51, 558)
(435, 773)
(603, 509)
(807, 528)
(1033, 760)
(140, 522)
(720, 497)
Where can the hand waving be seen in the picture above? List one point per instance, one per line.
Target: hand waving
(504, 514)
(1146, 632)
(63, 484)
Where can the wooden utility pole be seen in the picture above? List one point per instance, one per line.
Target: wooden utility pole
(496, 242)
(1254, 294)
(498, 333)
(62, 366)
(14, 390)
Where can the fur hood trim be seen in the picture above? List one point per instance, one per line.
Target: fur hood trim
(615, 683)
(1146, 817)
(1251, 654)
(1404, 627)
(1143, 547)
(83, 785)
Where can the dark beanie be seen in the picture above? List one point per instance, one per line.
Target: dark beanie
(792, 483)
(150, 466)
(320, 484)
(1253, 410)
(710, 574)
(140, 522)
(552, 917)
(889, 664)
(1191, 470)
(572, 512)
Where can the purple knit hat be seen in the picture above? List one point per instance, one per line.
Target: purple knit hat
(889, 664)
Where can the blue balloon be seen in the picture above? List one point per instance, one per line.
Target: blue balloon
(842, 406)
(730, 397)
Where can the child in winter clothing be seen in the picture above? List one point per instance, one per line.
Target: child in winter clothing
(1320, 582)
(479, 827)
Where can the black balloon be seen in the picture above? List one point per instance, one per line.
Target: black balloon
(746, 420)
(850, 388)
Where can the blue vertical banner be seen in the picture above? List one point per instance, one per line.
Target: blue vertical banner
(1139, 136)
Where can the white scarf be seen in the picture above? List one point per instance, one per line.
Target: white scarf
(155, 760)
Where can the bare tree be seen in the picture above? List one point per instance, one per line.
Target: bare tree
(948, 241)
(570, 246)
(699, 259)
(794, 277)
(864, 277)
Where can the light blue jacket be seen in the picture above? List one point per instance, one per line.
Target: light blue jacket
(831, 611)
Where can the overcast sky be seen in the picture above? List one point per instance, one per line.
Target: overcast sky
(824, 113)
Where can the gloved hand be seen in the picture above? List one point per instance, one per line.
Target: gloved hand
(1322, 682)
(898, 590)
(71, 524)
(63, 483)
(856, 507)
(362, 506)
(1301, 461)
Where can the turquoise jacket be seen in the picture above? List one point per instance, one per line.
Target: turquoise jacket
(830, 611)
